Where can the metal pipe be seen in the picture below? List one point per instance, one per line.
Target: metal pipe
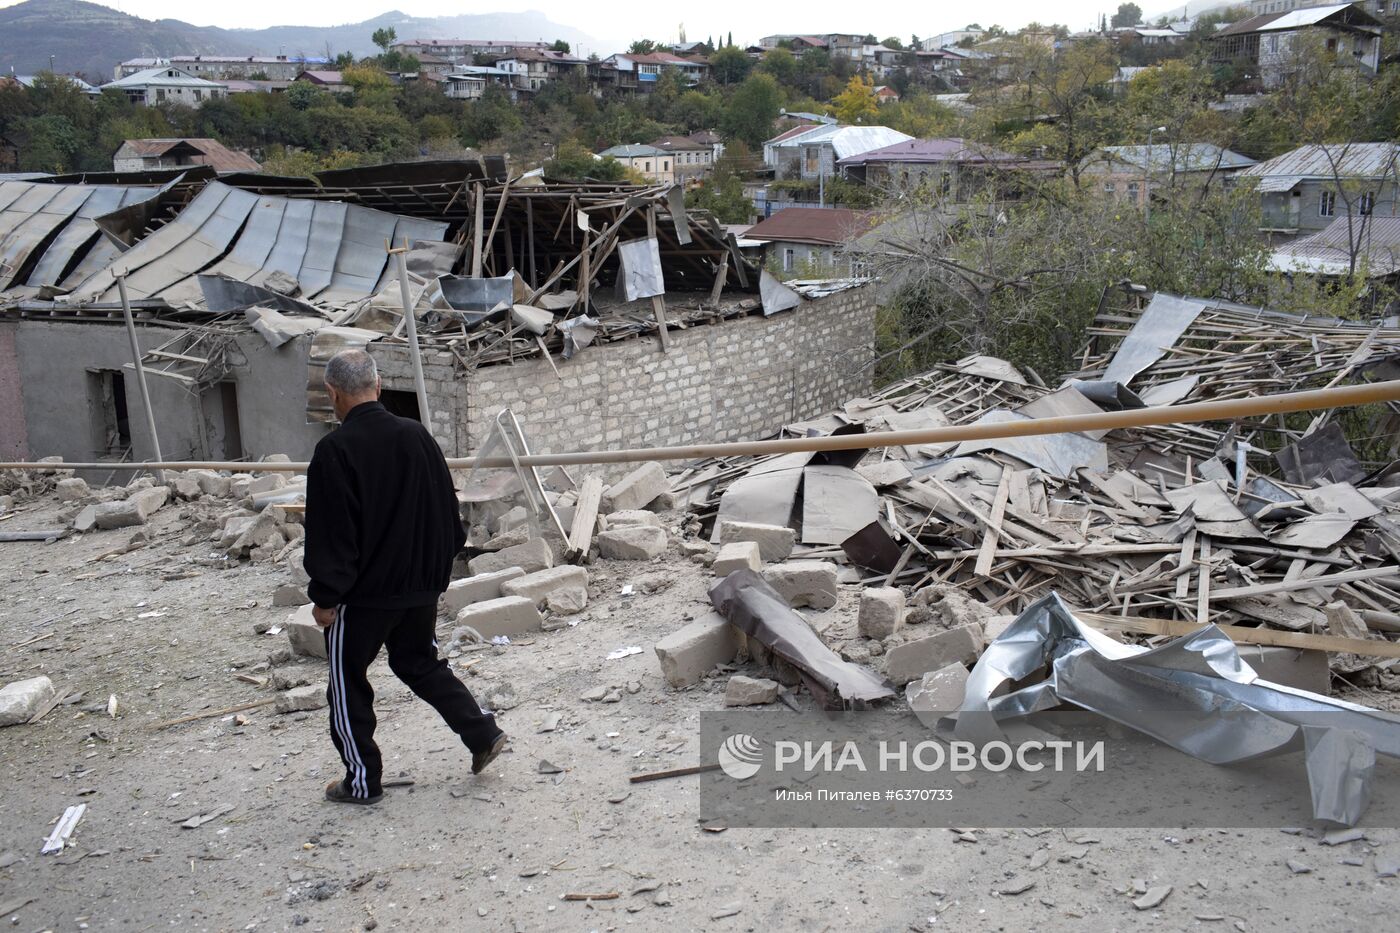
(140, 369)
(1223, 410)
(411, 320)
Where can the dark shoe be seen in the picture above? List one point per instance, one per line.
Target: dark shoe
(481, 759)
(336, 792)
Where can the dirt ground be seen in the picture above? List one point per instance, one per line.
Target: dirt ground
(167, 629)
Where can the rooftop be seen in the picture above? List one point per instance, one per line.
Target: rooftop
(1176, 157)
(208, 152)
(824, 226)
(1347, 160)
(168, 76)
(949, 149)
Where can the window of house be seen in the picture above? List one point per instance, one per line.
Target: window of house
(812, 160)
(160, 93)
(1110, 189)
(1273, 44)
(1367, 203)
(789, 255)
(1133, 191)
(666, 165)
(401, 403)
(945, 183)
(199, 95)
(648, 167)
(107, 412)
(1327, 204)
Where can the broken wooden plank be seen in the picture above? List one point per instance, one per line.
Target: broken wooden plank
(63, 829)
(1376, 648)
(210, 714)
(585, 515)
(1307, 583)
(987, 554)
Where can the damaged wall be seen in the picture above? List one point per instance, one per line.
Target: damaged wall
(14, 436)
(741, 378)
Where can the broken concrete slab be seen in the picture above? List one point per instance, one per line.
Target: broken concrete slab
(633, 517)
(510, 537)
(477, 588)
(749, 691)
(886, 473)
(881, 611)
(288, 595)
(567, 601)
(632, 542)
(636, 489)
(937, 693)
(86, 519)
(72, 489)
(1303, 668)
(303, 634)
(737, 554)
(302, 699)
(913, 659)
(805, 583)
(210, 483)
(775, 542)
(507, 615)
(136, 509)
(20, 700)
(692, 652)
(539, 585)
(531, 556)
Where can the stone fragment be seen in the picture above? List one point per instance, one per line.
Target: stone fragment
(804, 582)
(692, 652)
(136, 509)
(477, 588)
(20, 700)
(885, 473)
(636, 489)
(288, 595)
(297, 568)
(305, 637)
(775, 542)
(184, 486)
(749, 691)
(531, 556)
(511, 537)
(913, 659)
(632, 542)
(210, 483)
(937, 693)
(881, 611)
(737, 555)
(633, 517)
(301, 699)
(508, 615)
(71, 489)
(540, 584)
(568, 601)
(1153, 898)
(86, 519)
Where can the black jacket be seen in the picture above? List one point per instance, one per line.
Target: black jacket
(382, 525)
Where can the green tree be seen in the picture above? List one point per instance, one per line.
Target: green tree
(893, 42)
(857, 104)
(53, 144)
(1129, 14)
(722, 193)
(384, 38)
(559, 45)
(752, 110)
(490, 118)
(573, 162)
(781, 64)
(730, 65)
(642, 47)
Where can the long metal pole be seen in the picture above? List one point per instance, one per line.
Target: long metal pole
(140, 371)
(1224, 410)
(410, 319)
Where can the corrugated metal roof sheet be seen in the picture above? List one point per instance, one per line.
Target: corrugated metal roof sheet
(847, 141)
(168, 76)
(1179, 157)
(1346, 160)
(827, 226)
(1376, 241)
(33, 214)
(950, 149)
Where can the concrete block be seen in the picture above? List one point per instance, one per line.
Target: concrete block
(749, 691)
(881, 611)
(475, 589)
(184, 486)
(302, 699)
(914, 659)
(1303, 668)
(692, 652)
(511, 537)
(937, 693)
(633, 517)
(266, 482)
(20, 700)
(71, 489)
(121, 514)
(774, 541)
(540, 584)
(531, 556)
(297, 568)
(306, 637)
(288, 595)
(737, 555)
(508, 615)
(85, 520)
(632, 542)
(804, 582)
(636, 489)
(568, 601)
(210, 483)
(149, 501)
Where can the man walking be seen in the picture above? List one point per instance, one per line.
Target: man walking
(382, 529)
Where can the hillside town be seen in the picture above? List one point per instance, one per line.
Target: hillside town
(685, 424)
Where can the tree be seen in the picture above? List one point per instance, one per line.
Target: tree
(893, 43)
(752, 110)
(573, 162)
(781, 64)
(857, 104)
(730, 65)
(642, 47)
(722, 194)
(1129, 14)
(384, 38)
(559, 45)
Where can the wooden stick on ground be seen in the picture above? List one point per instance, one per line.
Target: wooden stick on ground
(1369, 647)
(210, 714)
(674, 772)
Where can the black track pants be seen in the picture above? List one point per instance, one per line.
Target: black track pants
(352, 644)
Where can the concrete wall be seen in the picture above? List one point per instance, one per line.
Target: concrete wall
(14, 435)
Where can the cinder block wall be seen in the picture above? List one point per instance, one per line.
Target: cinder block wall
(446, 390)
(740, 379)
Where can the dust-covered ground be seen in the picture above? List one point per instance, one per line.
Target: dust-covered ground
(167, 629)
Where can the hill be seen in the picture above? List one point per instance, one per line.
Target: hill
(91, 39)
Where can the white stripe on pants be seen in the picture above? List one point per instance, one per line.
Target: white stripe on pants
(340, 716)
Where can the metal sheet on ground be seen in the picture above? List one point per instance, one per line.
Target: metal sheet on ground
(837, 502)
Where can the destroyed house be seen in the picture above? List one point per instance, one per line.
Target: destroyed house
(602, 315)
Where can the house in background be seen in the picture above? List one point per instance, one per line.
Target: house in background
(711, 139)
(959, 169)
(810, 240)
(1305, 190)
(1270, 41)
(464, 51)
(27, 81)
(641, 72)
(812, 155)
(168, 85)
(945, 39)
(220, 67)
(1129, 172)
(332, 81)
(656, 164)
(469, 82)
(691, 160)
(532, 69)
(145, 155)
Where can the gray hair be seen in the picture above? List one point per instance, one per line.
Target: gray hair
(352, 372)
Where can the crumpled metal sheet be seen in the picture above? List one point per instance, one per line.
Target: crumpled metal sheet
(641, 269)
(481, 300)
(277, 328)
(1057, 454)
(765, 496)
(1167, 317)
(837, 502)
(81, 232)
(775, 295)
(756, 609)
(223, 294)
(1194, 679)
(1322, 455)
(327, 343)
(43, 227)
(578, 333)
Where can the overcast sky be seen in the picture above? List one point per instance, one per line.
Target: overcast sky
(746, 19)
